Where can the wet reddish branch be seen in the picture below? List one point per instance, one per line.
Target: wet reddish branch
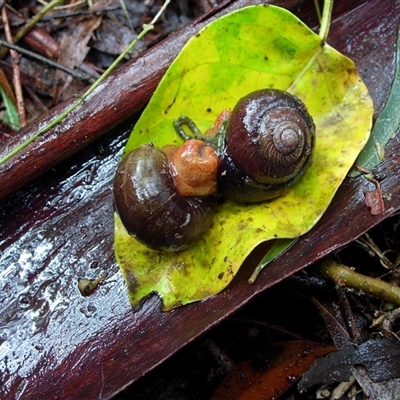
(127, 90)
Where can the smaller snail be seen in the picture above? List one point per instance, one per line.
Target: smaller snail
(147, 197)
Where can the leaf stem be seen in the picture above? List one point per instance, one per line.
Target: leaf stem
(145, 29)
(345, 276)
(326, 19)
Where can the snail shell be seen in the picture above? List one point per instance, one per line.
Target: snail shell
(269, 141)
(151, 208)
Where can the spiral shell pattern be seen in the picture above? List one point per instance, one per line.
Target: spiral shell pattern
(269, 142)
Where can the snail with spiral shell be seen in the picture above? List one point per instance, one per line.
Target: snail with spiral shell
(269, 142)
(166, 197)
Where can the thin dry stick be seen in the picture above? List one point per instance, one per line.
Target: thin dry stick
(45, 60)
(15, 59)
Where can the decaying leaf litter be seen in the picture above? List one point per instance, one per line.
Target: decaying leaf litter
(83, 28)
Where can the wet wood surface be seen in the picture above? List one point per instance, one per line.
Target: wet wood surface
(55, 343)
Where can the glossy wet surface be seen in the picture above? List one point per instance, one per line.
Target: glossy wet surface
(52, 235)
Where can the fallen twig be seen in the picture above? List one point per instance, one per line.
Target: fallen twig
(15, 59)
(345, 276)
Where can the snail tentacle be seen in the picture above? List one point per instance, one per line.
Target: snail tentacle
(185, 120)
(215, 136)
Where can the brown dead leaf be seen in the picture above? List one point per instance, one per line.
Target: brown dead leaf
(284, 365)
(112, 38)
(73, 51)
(374, 200)
(380, 358)
(388, 390)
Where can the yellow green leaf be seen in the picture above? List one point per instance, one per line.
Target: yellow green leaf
(253, 48)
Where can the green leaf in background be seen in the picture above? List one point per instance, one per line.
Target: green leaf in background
(10, 115)
(278, 247)
(252, 48)
(385, 126)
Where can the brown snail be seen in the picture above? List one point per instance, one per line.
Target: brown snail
(166, 197)
(265, 145)
(148, 201)
(269, 141)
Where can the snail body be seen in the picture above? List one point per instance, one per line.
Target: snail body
(166, 197)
